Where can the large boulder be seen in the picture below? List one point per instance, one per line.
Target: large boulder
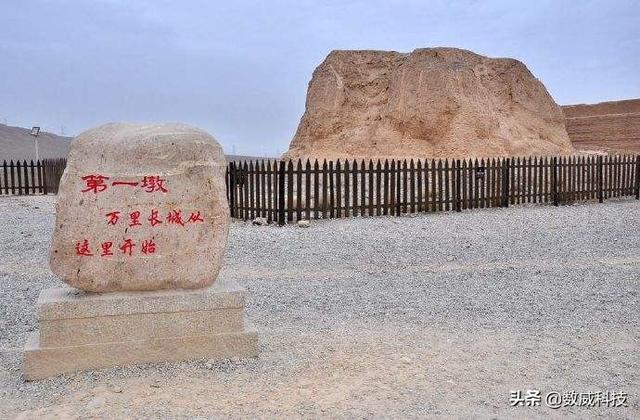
(432, 102)
(141, 207)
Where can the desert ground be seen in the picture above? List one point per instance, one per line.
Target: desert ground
(435, 315)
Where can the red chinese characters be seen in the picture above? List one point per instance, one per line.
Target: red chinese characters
(153, 219)
(96, 183)
(82, 248)
(113, 217)
(130, 247)
(148, 247)
(195, 217)
(135, 218)
(106, 249)
(127, 183)
(153, 183)
(175, 217)
(127, 247)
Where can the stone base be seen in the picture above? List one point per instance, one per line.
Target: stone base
(80, 331)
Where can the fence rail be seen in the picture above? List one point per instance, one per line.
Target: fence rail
(287, 191)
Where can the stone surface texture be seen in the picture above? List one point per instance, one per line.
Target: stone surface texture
(158, 169)
(68, 316)
(432, 102)
(42, 362)
(605, 127)
(81, 330)
(68, 303)
(67, 332)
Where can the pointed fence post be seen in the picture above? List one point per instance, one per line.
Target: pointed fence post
(281, 185)
(316, 190)
(506, 163)
(232, 188)
(637, 177)
(33, 177)
(299, 190)
(19, 174)
(45, 187)
(554, 180)
(600, 179)
(290, 191)
(5, 177)
(307, 190)
(456, 164)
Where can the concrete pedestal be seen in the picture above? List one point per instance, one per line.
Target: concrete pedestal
(81, 331)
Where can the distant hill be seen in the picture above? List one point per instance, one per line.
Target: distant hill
(241, 158)
(17, 143)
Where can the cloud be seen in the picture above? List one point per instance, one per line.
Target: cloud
(240, 69)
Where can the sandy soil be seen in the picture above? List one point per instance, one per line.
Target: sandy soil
(437, 315)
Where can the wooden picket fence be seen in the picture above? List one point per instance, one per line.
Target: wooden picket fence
(287, 191)
(27, 178)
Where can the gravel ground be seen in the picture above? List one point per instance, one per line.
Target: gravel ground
(434, 315)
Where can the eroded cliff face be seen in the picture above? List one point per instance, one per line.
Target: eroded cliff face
(606, 127)
(432, 102)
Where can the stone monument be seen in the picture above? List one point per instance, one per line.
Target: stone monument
(141, 227)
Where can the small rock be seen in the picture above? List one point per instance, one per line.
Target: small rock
(260, 221)
(117, 389)
(303, 223)
(406, 361)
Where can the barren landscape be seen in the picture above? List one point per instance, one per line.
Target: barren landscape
(439, 315)
(610, 127)
(321, 209)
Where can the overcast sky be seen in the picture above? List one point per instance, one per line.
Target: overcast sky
(239, 69)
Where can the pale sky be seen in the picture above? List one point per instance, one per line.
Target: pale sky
(240, 69)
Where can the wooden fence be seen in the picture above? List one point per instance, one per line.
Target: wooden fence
(25, 178)
(285, 191)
